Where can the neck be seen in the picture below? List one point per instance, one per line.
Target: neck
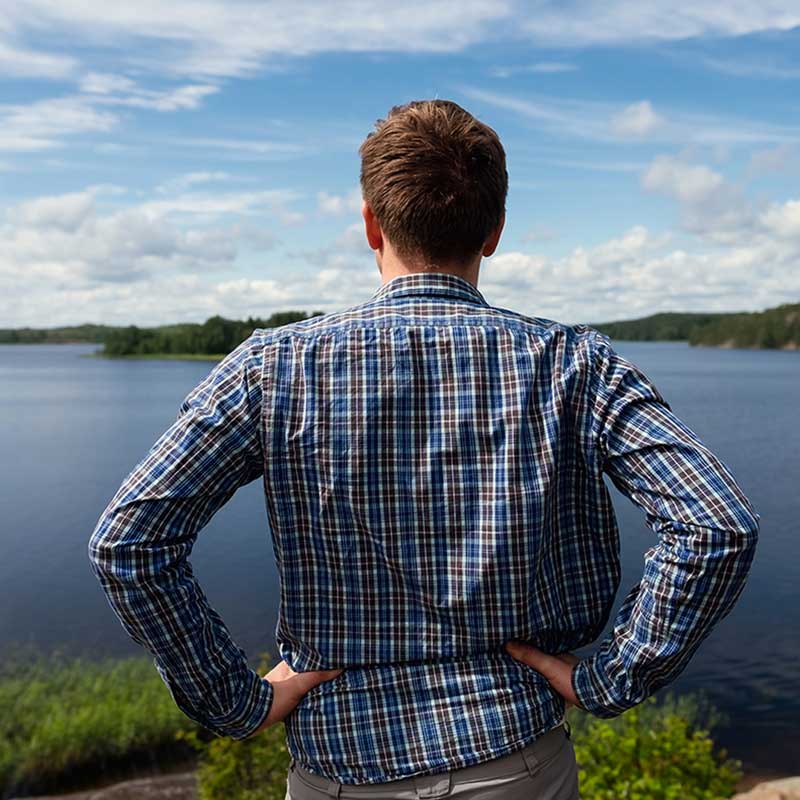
(391, 268)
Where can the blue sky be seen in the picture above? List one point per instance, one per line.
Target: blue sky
(164, 162)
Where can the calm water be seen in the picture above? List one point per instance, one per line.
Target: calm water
(72, 428)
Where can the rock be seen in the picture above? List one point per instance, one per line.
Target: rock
(784, 789)
(178, 786)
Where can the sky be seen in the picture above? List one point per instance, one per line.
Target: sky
(166, 162)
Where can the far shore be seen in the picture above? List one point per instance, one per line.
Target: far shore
(159, 356)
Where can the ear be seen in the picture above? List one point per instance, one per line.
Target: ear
(494, 238)
(371, 227)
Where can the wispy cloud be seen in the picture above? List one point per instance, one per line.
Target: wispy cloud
(42, 124)
(590, 22)
(604, 121)
(22, 62)
(765, 68)
(540, 67)
(110, 89)
(237, 38)
(243, 148)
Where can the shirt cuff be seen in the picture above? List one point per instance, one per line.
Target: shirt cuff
(242, 720)
(592, 688)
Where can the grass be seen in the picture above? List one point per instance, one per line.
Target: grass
(72, 723)
(67, 723)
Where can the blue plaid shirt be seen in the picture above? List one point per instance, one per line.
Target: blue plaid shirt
(433, 470)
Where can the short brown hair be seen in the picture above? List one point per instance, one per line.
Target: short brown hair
(435, 178)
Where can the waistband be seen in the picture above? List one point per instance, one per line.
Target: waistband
(431, 785)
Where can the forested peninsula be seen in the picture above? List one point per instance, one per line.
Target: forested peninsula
(211, 339)
(774, 328)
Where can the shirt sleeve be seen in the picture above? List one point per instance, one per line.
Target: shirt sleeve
(707, 532)
(140, 546)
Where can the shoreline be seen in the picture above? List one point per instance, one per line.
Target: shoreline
(157, 356)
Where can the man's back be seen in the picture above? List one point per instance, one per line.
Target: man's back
(434, 476)
(433, 469)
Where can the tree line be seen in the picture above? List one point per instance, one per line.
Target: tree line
(777, 327)
(215, 336)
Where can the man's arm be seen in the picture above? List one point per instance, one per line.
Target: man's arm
(707, 533)
(139, 549)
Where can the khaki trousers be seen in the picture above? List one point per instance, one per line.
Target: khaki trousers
(543, 770)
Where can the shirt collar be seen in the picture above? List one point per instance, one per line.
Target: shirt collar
(437, 284)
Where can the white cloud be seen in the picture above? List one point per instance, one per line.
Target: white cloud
(336, 204)
(539, 67)
(637, 119)
(237, 38)
(768, 69)
(111, 89)
(106, 83)
(711, 207)
(244, 148)
(45, 123)
(54, 243)
(772, 159)
(21, 62)
(41, 124)
(595, 120)
(66, 212)
(592, 22)
(690, 183)
(783, 219)
(266, 203)
(182, 182)
(228, 38)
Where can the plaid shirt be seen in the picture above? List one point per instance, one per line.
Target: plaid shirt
(433, 470)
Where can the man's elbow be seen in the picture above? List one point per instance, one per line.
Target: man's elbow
(751, 525)
(743, 538)
(99, 551)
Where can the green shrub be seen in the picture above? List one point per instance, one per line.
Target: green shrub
(249, 769)
(655, 751)
(63, 717)
(70, 719)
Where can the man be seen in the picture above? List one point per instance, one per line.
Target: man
(433, 469)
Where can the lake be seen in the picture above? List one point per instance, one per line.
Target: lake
(73, 427)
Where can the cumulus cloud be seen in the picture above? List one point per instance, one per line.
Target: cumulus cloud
(349, 203)
(783, 219)
(67, 233)
(772, 159)
(710, 206)
(637, 119)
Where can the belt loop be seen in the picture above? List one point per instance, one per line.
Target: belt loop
(333, 788)
(531, 762)
(568, 729)
(433, 785)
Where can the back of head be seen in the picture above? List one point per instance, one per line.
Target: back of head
(435, 178)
